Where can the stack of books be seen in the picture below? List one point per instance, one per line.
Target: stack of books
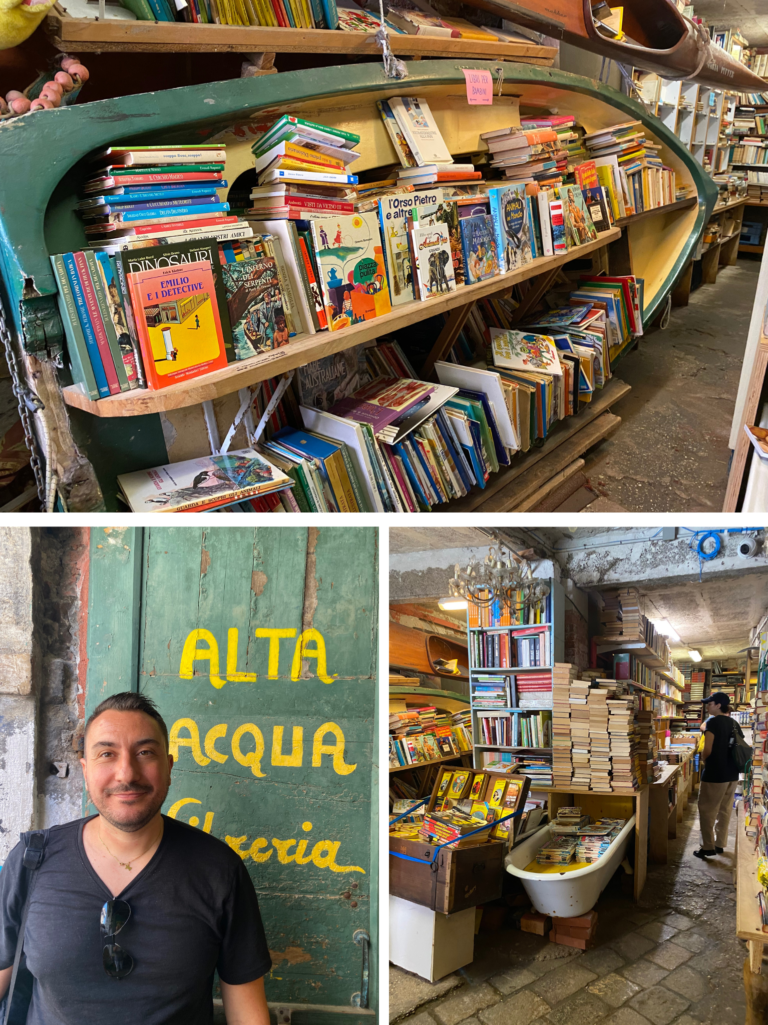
(562, 769)
(538, 768)
(595, 840)
(580, 734)
(632, 164)
(534, 690)
(599, 741)
(449, 828)
(558, 850)
(624, 744)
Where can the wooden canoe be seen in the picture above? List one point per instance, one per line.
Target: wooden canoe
(413, 649)
(657, 38)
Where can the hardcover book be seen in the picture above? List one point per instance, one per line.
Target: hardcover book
(403, 150)
(157, 254)
(512, 226)
(383, 401)
(351, 268)
(479, 248)
(204, 483)
(178, 324)
(394, 213)
(598, 209)
(420, 129)
(515, 350)
(255, 306)
(434, 265)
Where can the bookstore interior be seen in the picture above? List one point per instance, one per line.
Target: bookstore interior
(373, 256)
(551, 695)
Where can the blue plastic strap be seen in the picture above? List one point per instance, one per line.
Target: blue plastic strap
(488, 825)
(410, 812)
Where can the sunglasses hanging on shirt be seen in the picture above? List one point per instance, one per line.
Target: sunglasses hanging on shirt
(118, 963)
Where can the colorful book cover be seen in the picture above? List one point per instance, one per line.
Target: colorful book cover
(83, 373)
(598, 210)
(434, 264)
(91, 309)
(199, 483)
(479, 248)
(394, 213)
(325, 381)
(419, 127)
(578, 224)
(515, 350)
(559, 244)
(117, 313)
(511, 224)
(177, 319)
(448, 213)
(255, 306)
(403, 150)
(351, 267)
(157, 253)
(383, 401)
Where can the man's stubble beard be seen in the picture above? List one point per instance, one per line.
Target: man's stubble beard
(133, 826)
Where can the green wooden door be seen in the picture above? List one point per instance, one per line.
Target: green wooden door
(259, 647)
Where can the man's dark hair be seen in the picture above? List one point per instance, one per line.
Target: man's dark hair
(129, 702)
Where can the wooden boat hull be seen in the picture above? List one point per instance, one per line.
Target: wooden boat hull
(414, 649)
(690, 54)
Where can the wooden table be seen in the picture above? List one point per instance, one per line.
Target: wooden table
(614, 805)
(663, 818)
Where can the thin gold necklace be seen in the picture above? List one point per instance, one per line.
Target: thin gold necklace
(127, 864)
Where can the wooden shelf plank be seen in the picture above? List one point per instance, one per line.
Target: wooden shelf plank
(751, 249)
(638, 648)
(86, 34)
(312, 347)
(683, 204)
(424, 765)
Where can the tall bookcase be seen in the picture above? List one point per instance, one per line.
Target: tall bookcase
(552, 631)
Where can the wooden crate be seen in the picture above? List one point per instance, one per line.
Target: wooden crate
(460, 879)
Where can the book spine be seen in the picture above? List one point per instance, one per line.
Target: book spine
(363, 503)
(161, 212)
(321, 300)
(106, 319)
(319, 19)
(498, 228)
(89, 335)
(125, 298)
(331, 13)
(298, 256)
(335, 478)
(171, 226)
(94, 317)
(316, 205)
(82, 371)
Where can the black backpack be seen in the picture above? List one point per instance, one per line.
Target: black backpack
(20, 990)
(739, 749)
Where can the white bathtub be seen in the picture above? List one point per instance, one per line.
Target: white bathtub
(566, 894)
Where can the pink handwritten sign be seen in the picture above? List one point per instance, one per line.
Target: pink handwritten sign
(479, 86)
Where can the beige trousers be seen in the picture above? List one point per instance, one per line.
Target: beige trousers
(715, 805)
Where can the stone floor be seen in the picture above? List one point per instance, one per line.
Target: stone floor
(672, 959)
(671, 452)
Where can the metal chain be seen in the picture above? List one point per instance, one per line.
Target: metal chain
(28, 403)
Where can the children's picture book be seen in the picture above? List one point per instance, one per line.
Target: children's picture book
(178, 324)
(479, 248)
(350, 261)
(394, 214)
(448, 213)
(511, 225)
(578, 223)
(383, 401)
(515, 350)
(155, 254)
(403, 150)
(434, 264)
(325, 381)
(208, 482)
(255, 305)
(420, 129)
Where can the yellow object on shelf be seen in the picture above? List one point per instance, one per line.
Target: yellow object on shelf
(19, 20)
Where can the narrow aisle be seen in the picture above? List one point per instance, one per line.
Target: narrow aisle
(671, 451)
(672, 959)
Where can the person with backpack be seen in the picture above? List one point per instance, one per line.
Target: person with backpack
(126, 916)
(722, 765)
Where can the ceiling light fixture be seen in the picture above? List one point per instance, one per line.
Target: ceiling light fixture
(452, 604)
(694, 655)
(503, 576)
(665, 628)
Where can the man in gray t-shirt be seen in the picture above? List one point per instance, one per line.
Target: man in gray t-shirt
(132, 913)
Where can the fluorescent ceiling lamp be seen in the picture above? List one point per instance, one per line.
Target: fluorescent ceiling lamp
(450, 604)
(667, 630)
(694, 655)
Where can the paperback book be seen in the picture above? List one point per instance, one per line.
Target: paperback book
(434, 265)
(511, 225)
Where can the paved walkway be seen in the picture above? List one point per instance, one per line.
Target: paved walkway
(671, 960)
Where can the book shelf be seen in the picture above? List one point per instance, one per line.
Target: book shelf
(38, 219)
(551, 632)
(89, 34)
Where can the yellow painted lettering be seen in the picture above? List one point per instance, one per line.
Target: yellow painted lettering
(336, 750)
(236, 842)
(174, 810)
(232, 674)
(301, 850)
(213, 734)
(208, 822)
(252, 758)
(192, 741)
(273, 663)
(302, 650)
(256, 850)
(281, 846)
(193, 653)
(324, 856)
(297, 753)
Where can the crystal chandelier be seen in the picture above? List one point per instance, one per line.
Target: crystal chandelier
(503, 576)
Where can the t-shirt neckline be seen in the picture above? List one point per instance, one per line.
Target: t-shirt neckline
(149, 869)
